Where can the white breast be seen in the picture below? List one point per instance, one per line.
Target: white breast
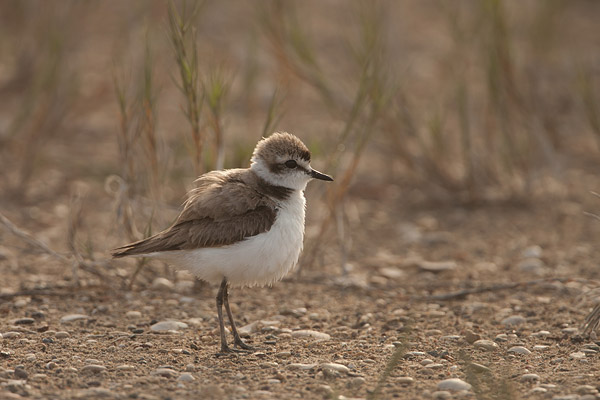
(258, 260)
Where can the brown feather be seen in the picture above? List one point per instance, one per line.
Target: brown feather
(225, 207)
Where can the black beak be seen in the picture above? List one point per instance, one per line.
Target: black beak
(317, 175)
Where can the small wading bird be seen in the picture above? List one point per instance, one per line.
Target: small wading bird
(242, 227)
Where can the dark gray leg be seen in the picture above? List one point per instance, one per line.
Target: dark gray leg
(220, 294)
(236, 337)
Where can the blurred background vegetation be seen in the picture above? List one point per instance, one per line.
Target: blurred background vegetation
(468, 102)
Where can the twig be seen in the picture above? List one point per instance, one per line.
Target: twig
(492, 288)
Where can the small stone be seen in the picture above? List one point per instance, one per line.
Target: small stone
(566, 397)
(502, 337)
(538, 389)
(24, 321)
(310, 333)
(125, 367)
(20, 373)
(405, 380)
(357, 381)
(578, 355)
(93, 368)
(530, 377)
(335, 367)
(72, 318)
(541, 334)
(30, 357)
(540, 347)
(61, 335)
(47, 340)
(519, 350)
(441, 395)
(532, 265)
(453, 384)
(273, 381)
(479, 368)
(532, 251)
(570, 331)
(166, 372)
(186, 377)
(133, 314)
(301, 367)
(434, 366)
(513, 320)
(325, 390)
(11, 335)
(164, 326)
(471, 337)
(485, 344)
(451, 338)
(436, 266)
(162, 284)
(51, 365)
(583, 389)
(246, 330)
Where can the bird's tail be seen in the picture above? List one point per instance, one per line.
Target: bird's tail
(140, 247)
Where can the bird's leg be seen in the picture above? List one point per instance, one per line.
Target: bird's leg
(220, 294)
(236, 336)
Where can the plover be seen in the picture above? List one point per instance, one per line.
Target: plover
(240, 227)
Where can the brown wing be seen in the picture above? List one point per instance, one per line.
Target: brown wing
(222, 210)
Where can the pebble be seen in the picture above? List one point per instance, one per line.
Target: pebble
(166, 372)
(436, 266)
(414, 354)
(301, 367)
(578, 355)
(20, 373)
(538, 389)
(519, 350)
(583, 389)
(310, 333)
(471, 337)
(426, 361)
(532, 251)
(23, 321)
(186, 377)
(93, 368)
(162, 284)
(325, 390)
(570, 331)
(530, 377)
(61, 335)
(10, 335)
(479, 368)
(531, 264)
(541, 334)
(453, 384)
(451, 338)
(434, 366)
(335, 367)
(133, 314)
(30, 357)
(502, 337)
(246, 330)
(566, 397)
(72, 318)
(125, 367)
(485, 344)
(405, 380)
(164, 326)
(540, 347)
(441, 395)
(513, 320)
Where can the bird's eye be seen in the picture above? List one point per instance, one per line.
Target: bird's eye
(291, 164)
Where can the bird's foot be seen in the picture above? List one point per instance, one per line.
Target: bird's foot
(228, 351)
(240, 343)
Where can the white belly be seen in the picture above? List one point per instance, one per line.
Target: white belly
(258, 260)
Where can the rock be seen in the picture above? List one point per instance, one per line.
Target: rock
(453, 385)
(541, 334)
(405, 380)
(23, 321)
(246, 330)
(436, 266)
(471, 337)
(30, 357)
(538, 389)
(513, 320)
(570, 331)
(162, 284)
(485, 344)
(532, 265)
(311, 334)
(301, 367)
(540, 347)
(502, 337)
(20, 373)
(11, 335)
(519, 350)
(164, 326)
(61, 335)
(72, 318)
(426, 361)
(566, 397)
(532, 251)
(583, 389)
(391, 273)
(335, 367)
(434, 366)
(441, 395)
(578, 355)
(479, 368)
(125, 367)
(133, 315)
(166, 372)
(530, 377)
(93, 368)
(186, 377)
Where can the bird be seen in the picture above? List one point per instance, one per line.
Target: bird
(240, 227)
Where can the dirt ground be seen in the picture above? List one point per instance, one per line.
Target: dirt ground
(421, 288)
